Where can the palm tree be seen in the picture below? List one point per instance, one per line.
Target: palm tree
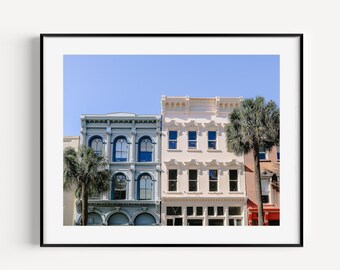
(87, 173)
(253, 125)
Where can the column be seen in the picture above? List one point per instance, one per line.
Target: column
(133, 143)
(108, 144)
(185, 219)
(205, 214)
(154, 188)
(226, 213)
(131, 186)
(245, 215)
(157, 148)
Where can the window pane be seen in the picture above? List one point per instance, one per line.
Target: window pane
(199, 211)
(212, 174)
(233, 186)
(174, 211)
(212, 145)
(265, 199)
(220, 211)
(172, 144)
(178, 222)
(215, 222)
(239, 222)
(231, 222)
(211, 211)
(192, 135)
(233, 174)
(172, 174)
(192, 185)
(190, 211)
(262, 156)
(212, 135)
(145, 156)
(173, 135)
(192, 144)
(234, 211)
(192, 174)
(169, 222)
(172, 185)
(195, 222)
(213, 186)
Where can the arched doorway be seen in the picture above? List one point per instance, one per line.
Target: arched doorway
(144, 219)
(118, 219)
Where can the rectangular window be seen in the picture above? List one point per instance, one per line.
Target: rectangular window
(211, 139)
(220, 211)
(195, 222)
(215, 222)
(278, 152)
(173, 139)
(235, 222)
(190, 211)
(199, 211)
(233, 180)
(174, 210)
(211, 211)
(178, 222)
(274, 222)
(265, 199)
(192, 139)
(213, 186)
(234, 211)
(172, 180)
(262, 153)
(169, 222)
(192, 180)
(265, 187)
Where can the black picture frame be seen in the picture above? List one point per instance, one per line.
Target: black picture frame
(187, 35)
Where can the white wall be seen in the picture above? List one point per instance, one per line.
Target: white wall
(20, 25)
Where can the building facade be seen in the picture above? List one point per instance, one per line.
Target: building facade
(270, 184)
(69, 196)
(202, 183)
(131, 143)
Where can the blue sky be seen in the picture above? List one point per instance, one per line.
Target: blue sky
(100, 84)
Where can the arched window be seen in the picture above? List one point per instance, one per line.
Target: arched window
(120, 149)
(96, 143)
(145, 187)
(145, 150)
(119, 187)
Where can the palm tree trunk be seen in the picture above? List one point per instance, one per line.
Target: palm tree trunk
(258, 188)
(84, 203)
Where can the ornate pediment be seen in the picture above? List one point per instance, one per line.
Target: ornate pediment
(173, 124)
(212, 125)
(214, 163)
(193, 163)
(193, 125)
(172, 162)
(234, 163)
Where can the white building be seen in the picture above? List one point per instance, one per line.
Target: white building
(202, 183)
(132, 144)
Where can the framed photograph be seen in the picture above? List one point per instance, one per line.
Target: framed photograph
(172, 140)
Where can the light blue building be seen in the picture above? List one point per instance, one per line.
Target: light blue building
(131, 143)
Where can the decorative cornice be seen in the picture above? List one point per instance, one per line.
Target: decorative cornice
(172, 162)
(212, 124)
(214, 163)
(173, 124)
(193, 124)
(234, 163)
(193, 163)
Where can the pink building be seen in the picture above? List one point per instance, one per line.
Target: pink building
(270, 181)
